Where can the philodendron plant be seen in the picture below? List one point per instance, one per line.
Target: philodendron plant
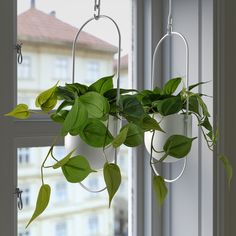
(84, 111)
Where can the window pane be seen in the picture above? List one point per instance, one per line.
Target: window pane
(71, 208)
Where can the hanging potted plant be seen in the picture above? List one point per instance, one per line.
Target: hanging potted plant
(84, 112)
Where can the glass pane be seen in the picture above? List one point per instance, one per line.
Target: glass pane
(47, 28)
(72, 210)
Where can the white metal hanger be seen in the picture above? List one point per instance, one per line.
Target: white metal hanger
(171, 33)
(97, 16)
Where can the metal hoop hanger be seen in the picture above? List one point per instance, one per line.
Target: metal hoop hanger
(97, 16)
(171, 33)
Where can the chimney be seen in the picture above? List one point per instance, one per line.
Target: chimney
(32, 3)
(52, 13)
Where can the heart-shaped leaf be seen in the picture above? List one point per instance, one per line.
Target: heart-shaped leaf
(102, 85)
(21, 111)
(47, 100)
(169, 106)
(131, 108)
(121, 137)
(76, 169)
(112, 177)
(63, 161)
(96, 134)
(203, 106)
(134, 136)
(171, 86)
(149, 123)
(160, 189)
(76, 118)
(42, 202)
(97, 106)
(206, 124)
(178, 146)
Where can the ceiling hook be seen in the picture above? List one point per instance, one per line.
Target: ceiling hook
(18, 193)
(170, 20)
(97, 5)
(18, 48)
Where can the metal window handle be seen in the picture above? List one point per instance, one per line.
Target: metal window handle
(18, 193)
(18, 48)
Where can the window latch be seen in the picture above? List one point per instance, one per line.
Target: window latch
(18, 48)
(18, 193)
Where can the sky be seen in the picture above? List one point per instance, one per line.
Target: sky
(76, 12)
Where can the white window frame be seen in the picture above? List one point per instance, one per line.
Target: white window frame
(146, 220)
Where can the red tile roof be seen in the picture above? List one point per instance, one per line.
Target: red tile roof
(37, 26)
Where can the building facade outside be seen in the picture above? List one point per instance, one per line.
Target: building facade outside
(47, 44)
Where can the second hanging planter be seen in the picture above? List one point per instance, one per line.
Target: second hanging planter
(176, 124)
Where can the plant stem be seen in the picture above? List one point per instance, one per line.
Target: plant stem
(43, 164)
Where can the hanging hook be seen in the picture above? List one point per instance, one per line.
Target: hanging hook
(18, 193)
(18, 48)
(97, 5)
(170, 20)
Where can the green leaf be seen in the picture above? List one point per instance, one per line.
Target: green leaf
(47, 100)
(134, 136)
(65, 104)
(203, 106)
(102, 85)
(228, 168)
(21, 111)
(76, 169)
(195, 85)
(76, 118)
(206, 124)
(77, 89)
(169, 106)
(59, 116)
(112, 93)
(178, 146)
(160, 189)
(131, 108)
(149, 123)
(171, 86)
(121, 137)
(96, 134)
(42, 202)
(64, 94)
(63, 161)
(96, 105)
(194, 105)
(112, 177)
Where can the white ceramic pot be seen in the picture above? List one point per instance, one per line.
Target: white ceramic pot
(95, 156)
(172, 124)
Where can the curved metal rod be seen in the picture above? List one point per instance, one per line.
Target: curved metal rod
(175, 179)
(118, 77)
(186, 85)
(186, 65)
(119, 51)
(157, 173)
